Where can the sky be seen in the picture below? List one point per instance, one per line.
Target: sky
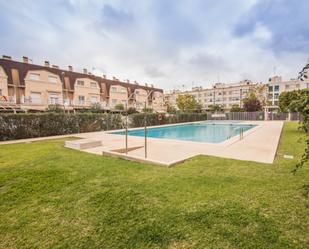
(173, 44)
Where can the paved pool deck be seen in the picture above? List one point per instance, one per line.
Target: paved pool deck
(259, 144)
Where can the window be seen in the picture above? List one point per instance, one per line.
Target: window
(113, 89)
(270, 88)
(276, 95)
(80, 83)
(52, 79)
(81, 100)
(34, 76)
(0, 92)
(277, 88)
(94, 99)
(35, 98)
(53, 98)
(93, 84)
(287, 86)
(270, 96)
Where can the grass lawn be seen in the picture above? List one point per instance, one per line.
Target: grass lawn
(53, 197)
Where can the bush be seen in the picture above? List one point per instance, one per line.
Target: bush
(55, 108)
(137, 120)
(148, 110)
(19, 126)
(96, 108)
(119, 107)
(131, 110)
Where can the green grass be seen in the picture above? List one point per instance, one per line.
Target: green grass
(52, 197)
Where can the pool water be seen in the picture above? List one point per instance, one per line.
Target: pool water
(197, 132)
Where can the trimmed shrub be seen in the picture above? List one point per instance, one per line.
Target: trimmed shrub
(19, 126)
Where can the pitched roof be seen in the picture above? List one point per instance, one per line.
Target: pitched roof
(23, 69)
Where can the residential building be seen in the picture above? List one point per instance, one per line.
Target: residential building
(27, 86)
(276, 86)
(224, 95)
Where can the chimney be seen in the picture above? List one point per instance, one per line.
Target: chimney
(70, 68)
(135, 82)
(114, 78)
(46, 63)
(152, 85)
(90, 73)
(25, 59)
(54, 66)
(146, 84)
(104, 76)
(128, 81)
(6, 57)
(85, 70)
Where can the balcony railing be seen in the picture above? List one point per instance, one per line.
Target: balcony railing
(7, 100)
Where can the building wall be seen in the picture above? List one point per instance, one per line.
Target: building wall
(276, 86)
(42, 88)
(86, 92)
(224, 95)
(3, 83)
(35, 87)
(117, 95)
(158, 101)
(140, 98)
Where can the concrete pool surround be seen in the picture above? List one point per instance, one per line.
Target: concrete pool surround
(257, 144)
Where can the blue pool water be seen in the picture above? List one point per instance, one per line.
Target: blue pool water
(198, 132)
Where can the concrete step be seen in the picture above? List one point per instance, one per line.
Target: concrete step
(83, 144)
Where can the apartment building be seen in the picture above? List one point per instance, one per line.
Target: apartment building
(224, 95)
(27, 86)
(276, 86)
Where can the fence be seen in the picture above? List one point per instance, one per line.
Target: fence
(254, 116)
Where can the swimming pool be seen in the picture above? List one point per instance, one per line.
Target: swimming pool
(197, 132)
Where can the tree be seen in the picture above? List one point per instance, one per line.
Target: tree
(119, 107)
(215, 108)
(171, 109)
(199, 107)
(260, 91)
(301, 105)
(285, 100)
(186, 103)
(236, 108)
(252, 103)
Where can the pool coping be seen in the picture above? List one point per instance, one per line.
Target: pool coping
(227, 142)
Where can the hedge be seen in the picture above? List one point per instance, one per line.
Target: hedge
(19, 126)
(137, 120)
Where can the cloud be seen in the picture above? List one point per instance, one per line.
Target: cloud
(285, 20)
(168, 43)
(154, 72)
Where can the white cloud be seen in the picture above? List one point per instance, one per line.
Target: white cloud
(166, 43)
